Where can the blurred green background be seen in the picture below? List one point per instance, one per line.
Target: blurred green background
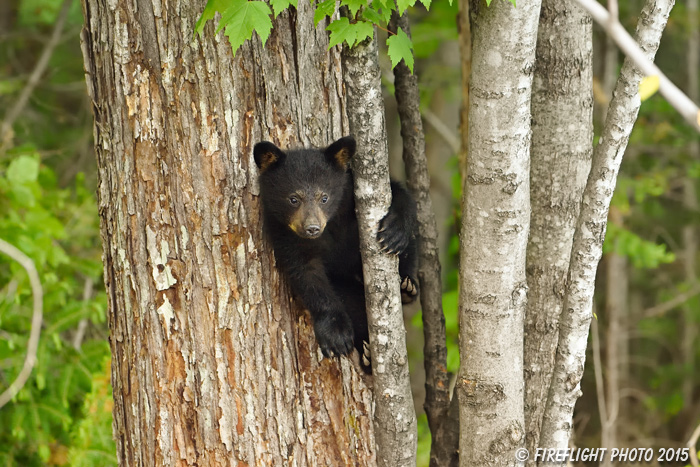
(48, 209)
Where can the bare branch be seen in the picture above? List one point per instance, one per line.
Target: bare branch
(442, 129)
(37, 316)
(691, 445)
(598, 372)
(82, 326)
(631, 49)
(39, 69)
(662, 308)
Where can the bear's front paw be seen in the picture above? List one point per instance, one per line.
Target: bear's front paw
(392, 234)
(334, 334)
(409, 289)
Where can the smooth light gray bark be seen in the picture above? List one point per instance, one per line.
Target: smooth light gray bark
(575, 320)
(562, 146)
(212, 362)
(395, 418)
(495, 225)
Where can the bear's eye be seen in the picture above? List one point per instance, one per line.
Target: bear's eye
(324, 199)
(293, 200)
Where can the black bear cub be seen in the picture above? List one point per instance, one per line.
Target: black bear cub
(309, 216)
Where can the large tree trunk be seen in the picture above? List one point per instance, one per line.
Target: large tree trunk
(495, 225)
(212, 364)
(562, 145)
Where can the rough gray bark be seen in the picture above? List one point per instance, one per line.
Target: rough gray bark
(212, 363)
(590, 233)
(562, 146)
(444, 430)
(493, 240)
(465, 49)
(395, 418)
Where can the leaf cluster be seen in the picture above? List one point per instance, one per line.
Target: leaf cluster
(58, 229)
(240, 18)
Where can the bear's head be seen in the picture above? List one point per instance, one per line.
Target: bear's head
(304, 188)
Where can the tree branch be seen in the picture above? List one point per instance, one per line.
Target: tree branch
(443, 452)
(82, 326)
(662, 308)
(37, 316)
(687, 108)
(395, 418)
(691, 445)
(34, 78)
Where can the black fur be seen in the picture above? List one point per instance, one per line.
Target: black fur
(310, 190)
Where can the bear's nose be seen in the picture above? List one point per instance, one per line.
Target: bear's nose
(313, 230)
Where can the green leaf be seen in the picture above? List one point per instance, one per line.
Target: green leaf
(24, 169)
(343, 30)
(340, 30)
(400, 47)
(210, 10)
(323, 9)
(244, 17)
(403, 4)
(280, 5)
(354, 5)
(375, 16)
(364, 30)
(427, 3)
(240, 18)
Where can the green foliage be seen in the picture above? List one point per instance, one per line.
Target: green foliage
(323, 9)
(642, 253)
(342, 30)
(430, 30)
(57, 228)
(488, 2)
(240, 18)
(399, 48)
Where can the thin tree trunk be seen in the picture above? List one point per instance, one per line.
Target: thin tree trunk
(444, 431)
(395, 417)
(211, 363)
(690, 201)
(465, 49)
(616, 298)
(493, 240)
(562, 139)
(590, 233)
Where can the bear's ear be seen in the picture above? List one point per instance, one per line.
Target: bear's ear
(266, 155)
(340, 152)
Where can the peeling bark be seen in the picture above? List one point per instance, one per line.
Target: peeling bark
(212, 364)
(562, 146)
(493, 240)
(590, 233)
(395, 418)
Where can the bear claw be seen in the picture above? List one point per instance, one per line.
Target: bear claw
(409, 290)
(391, 236)
(366, 354)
